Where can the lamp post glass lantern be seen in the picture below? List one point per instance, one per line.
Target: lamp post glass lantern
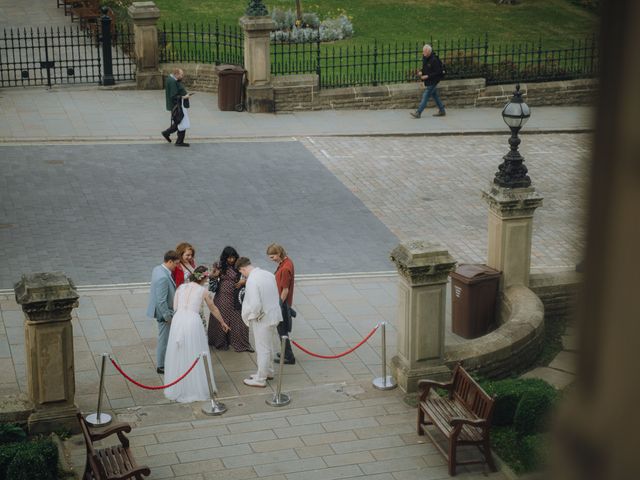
(511, 172)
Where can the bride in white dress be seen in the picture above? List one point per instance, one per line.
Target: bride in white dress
(187, 339)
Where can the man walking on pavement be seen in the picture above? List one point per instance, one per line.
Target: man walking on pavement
(163, 288)
(174, 91)
(431, 73)
(261, 312)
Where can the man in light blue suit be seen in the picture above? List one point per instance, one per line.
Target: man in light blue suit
(161, 302)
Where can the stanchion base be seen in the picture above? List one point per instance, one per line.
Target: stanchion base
(387, 383)
(213, 408)
(279, 400)
(93, 420)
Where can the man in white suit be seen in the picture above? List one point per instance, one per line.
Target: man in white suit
(261, 312)
(163, 288)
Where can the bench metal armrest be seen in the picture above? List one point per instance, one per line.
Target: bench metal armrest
(425, 386)
(110, 430)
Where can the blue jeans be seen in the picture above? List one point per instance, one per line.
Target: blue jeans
(163, 338)
(430, 91)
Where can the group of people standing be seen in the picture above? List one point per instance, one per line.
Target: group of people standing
(239, 296)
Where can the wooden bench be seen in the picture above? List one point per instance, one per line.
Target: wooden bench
(463, 416)
(115, 462)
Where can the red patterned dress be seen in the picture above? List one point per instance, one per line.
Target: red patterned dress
(238, 336)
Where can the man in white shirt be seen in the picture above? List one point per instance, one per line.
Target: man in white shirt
(261, 312)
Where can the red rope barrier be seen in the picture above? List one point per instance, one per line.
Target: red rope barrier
(149, 387)
(346, 352)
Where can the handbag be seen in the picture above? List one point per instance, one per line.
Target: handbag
(185, 103)
(177, 114)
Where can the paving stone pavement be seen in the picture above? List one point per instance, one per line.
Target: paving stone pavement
(337, 425)
(106, 214)
(430, 188)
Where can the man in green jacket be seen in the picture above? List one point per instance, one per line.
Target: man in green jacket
(174, 91)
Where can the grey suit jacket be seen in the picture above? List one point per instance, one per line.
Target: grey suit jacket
(161, 295)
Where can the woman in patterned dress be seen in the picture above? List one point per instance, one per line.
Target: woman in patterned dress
(226, 301)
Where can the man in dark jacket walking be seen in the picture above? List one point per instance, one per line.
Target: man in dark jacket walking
(431, 73)
(174, 91)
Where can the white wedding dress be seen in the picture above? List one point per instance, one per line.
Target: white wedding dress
(187, 339)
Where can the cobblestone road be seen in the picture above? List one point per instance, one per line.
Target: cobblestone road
(107, 213)
(430, 187)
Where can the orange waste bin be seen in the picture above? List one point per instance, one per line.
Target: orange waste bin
(474, 289)
(230, 87)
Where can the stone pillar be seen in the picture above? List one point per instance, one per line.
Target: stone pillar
(510, 231)
(47, 300)
(145, 17)
(423, 269)
(257, 62)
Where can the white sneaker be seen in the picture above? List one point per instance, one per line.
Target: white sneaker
(252, 382)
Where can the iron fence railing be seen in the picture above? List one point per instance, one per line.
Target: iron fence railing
(123, 52)
(215, 43)
(384, 63)
(378, 64)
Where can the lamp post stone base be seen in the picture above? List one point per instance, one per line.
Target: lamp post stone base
(408, 377)
(510, 230)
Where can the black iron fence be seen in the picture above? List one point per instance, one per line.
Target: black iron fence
(378, 64)
(217, 44)
(50, 56)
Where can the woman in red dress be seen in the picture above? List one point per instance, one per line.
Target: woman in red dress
(187, 263)
(226, 300)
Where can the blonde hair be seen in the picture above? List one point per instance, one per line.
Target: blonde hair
(276, 249)
(183, 247)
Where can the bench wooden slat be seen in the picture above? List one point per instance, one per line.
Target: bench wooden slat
(111, 462)
(466, 401)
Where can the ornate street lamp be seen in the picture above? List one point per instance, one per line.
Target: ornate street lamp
(256, 9)
(511, 172)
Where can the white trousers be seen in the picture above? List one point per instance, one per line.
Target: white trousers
(263, 335)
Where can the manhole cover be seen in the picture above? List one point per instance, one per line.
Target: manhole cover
(55, 162)
(6, 225)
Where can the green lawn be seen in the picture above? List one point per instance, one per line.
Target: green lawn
(556, 22)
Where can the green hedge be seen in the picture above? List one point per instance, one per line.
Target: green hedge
(29, 460)
(510, 391)
(532, 413)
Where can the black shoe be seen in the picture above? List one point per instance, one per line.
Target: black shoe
(160, 370)
(414, 114)
(166, 136)
(440, 113)
(182, 144)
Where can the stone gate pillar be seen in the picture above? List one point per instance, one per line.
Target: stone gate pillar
(257, 62)
(47, 300)
(423, 270)
(510, 231)
(145, 16)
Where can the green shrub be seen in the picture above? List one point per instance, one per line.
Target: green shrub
(29, 460)
(10, 432)
(532, 413)
(508, 393)
(534, 452)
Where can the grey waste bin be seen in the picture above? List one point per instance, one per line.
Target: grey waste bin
(474, 289)
(230, 87)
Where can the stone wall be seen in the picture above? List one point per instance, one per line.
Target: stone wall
(513, 346)
(301, 92)
(558, 292)
(200, 77)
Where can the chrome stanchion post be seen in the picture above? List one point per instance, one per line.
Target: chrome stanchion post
(280, 399)
(385, 382)
(100, 419)
(211, 406)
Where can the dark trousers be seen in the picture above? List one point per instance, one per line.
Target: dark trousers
(174, 128)
(282, 331)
